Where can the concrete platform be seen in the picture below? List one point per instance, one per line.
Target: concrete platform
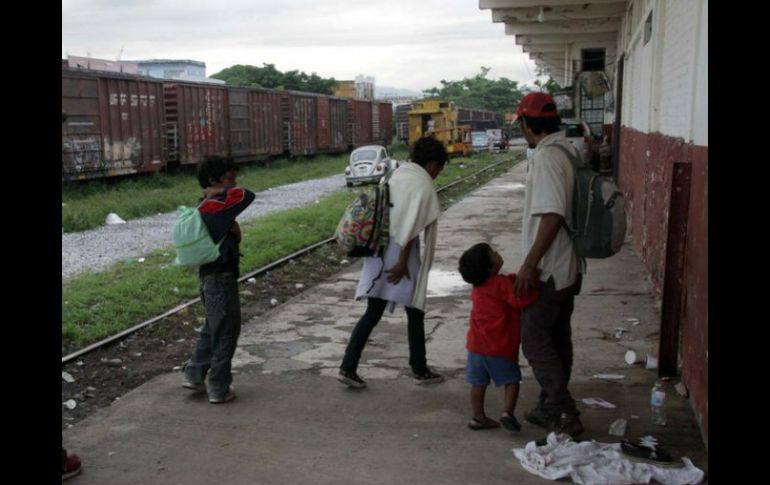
(293, 423)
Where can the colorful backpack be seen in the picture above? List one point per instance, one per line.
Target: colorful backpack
(363, 229)
(192, 240)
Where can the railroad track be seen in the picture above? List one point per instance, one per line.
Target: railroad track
(257, 272)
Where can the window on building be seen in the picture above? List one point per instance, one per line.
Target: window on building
(648, 28)
(593, 59)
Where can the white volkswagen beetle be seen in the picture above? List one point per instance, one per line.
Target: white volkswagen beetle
(368, 164)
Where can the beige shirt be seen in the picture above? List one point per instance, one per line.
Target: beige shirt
(550, 184)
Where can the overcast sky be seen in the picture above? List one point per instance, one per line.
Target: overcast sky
(411, 44)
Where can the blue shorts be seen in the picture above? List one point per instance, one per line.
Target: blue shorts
(502, 370)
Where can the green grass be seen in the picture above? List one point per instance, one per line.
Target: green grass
(85, 206)
(97, 305)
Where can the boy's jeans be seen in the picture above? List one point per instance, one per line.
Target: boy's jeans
(218, 338)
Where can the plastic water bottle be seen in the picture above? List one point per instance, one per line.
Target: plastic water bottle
(658, 404)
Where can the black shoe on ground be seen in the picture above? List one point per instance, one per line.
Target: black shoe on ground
(351, 379)
(538, 417)
(427, 377)
(569, 424)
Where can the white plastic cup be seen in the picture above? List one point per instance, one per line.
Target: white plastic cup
(633, 358)
(652, 362)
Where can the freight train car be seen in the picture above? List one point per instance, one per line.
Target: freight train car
(359, 122)
(479, 119)
(382, 133)
(114, 124)
(332, 124)
(402, 122)
(196, 121)
(123, 123)
(255, 123)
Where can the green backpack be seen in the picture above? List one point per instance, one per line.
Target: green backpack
(192, 240)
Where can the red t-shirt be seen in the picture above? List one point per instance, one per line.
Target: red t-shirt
(496, 317)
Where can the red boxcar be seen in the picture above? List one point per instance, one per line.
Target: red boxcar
(255, 123)
(338, 122)
(385, 135)
(114, 124)
(300, 120)
(359, 122)
(197, 121)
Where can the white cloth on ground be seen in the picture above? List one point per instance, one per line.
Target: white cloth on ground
(595, 463)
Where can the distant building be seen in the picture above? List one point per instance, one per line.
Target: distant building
(362, 88)
(346, 89)
(181, 70)
(365, 87)
(101, 64)
(178, 69)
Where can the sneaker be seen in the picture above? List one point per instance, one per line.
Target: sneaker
(229, 396)
(569, 424)
(427, 377)
(538, 417)
(71, 467)
(351, 379)
(193, 386)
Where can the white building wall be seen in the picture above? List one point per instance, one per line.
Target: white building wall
(665, 84)
(700, 119)
(677, 74)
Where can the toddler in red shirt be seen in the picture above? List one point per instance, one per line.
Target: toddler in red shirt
(494, 334)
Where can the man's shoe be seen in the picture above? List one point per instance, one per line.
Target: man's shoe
(569, 424)
(538, 417)
(351, 379)
(193, 386)
(71, 467)
(229, 396)
(428, 377)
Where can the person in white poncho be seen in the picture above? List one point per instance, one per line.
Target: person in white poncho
(400, 276)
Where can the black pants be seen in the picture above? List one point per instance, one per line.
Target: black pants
(546, 339)
(374, 309)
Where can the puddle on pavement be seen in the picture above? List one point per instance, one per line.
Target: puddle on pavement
(514, 186)
(445, 283)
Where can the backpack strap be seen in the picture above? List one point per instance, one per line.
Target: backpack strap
(576, 195)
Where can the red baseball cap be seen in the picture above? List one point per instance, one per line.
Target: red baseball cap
(533, 104)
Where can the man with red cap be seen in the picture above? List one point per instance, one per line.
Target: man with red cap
(550, 262)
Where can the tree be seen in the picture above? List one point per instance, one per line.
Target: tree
(270, 77)
(480, 92)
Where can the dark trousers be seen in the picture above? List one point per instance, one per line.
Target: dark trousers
(218, 338)
(375, 307)
(546, 339)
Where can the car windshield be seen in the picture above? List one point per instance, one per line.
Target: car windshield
(479, 137)
(364, 155)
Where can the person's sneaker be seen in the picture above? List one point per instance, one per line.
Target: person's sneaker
(229, 396)
(351, 379)
(71, 467)
(193, 386)
(569, 424)
(538, 417)
(427, 377)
